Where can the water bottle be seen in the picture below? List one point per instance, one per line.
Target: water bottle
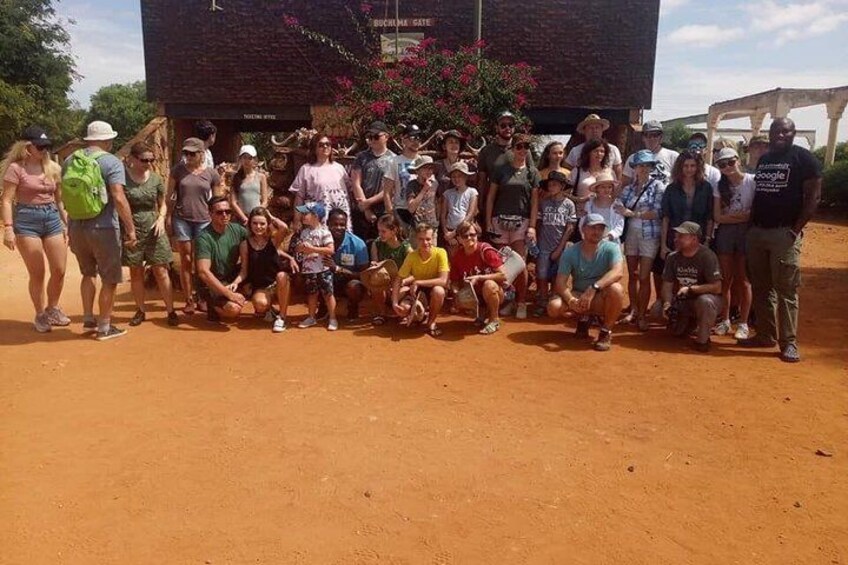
(532, 248)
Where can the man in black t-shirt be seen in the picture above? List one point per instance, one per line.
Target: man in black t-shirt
(788, 188)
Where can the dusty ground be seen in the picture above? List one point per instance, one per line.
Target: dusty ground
(193, 446)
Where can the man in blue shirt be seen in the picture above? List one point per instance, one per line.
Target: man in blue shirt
(595, 267)
(349, 259)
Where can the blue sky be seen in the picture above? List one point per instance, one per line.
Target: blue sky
(708, 51)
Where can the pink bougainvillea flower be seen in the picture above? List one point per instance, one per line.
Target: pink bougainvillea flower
(447, 72)
(465, 80)
(290, 20)
(470, 69)
(426, 42)
(393, 74)
(344, 83)
(365, 8)
(520, 100)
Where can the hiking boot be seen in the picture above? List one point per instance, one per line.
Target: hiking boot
(722, 328)
(604, 341)
(701, 347)
(790, 354)
(173, 321)
(139, 317)
(56, 317)
(757, 341)
(582, 331)
(42, 323)
(111, 333)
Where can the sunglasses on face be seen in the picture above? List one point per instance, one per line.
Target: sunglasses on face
(653, 134)
(506, 126)
(373, 136)
(42, 147)
(324, 144)
(147, 161)
(224, 212)
(189, 153)
(470, 235)
(726, 163)
(522, 146)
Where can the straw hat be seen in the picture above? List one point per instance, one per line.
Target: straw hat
(604, 177)
(380, 276)
(592, 119)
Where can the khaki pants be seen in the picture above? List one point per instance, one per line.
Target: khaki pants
(774, 269)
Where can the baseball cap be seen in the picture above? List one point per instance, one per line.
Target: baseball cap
(594, 220)
(194, 145)
(312, 208)
(412, 131)
(726, 153)
(689, 228)
(36, 135)
(249, 149)
(378, 127)
(652, 125)
(99, 131)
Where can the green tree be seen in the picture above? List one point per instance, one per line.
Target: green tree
(125, 106)
(677, 137)
(36, 70)
(840, 155)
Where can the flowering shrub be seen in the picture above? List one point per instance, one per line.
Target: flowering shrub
(433, 88)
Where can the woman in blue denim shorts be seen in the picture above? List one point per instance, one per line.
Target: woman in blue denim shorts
(35, 223)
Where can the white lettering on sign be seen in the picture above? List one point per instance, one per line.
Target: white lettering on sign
(403, 22)
(260, 116)
(772, 177)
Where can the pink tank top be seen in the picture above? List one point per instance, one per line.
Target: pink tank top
(31, 188)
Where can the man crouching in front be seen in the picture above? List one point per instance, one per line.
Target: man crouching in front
(595, 267)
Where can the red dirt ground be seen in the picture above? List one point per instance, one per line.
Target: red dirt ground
(236, 446)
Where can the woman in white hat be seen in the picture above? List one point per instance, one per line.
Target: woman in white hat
(603, 203)
(35, 222)
(323, 180)
(593, 127)
(732, 212)
(190, 187)
(250, 186)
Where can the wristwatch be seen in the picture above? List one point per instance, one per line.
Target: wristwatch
(596, 287)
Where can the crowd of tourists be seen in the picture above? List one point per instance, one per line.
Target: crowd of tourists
(409, 237)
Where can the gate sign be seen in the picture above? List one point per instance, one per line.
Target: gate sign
(403, 22)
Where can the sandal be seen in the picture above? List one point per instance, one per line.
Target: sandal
(434, 331)
(378, 320)
(490, 328)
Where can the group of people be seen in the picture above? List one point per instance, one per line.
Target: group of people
(414, 234)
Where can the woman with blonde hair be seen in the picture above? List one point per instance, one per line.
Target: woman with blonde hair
(35, 222)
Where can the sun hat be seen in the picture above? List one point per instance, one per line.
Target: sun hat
(194, 145)
(312, 208)
(379, 277)
(100, 131)
(36, 135)
(594, 220)
(688, 228)
(592, 119)
(460, 166)
(421, 161)
(643, 157)
(603, 177)
(557, 176)
(725, 154)
(652, 125)
(247, 149)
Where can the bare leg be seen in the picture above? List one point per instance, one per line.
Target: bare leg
(57, 257)
(522, 279)
(740, 277)
(88, 290)
(185, 250)
(633, 283)
(32, 252)
(163, 281)
(330, 300)
(645, 264)
(283, 291)
(437, 300)
(106, 301)
(311, 304)
(261, 301)
(728, 279)
(492, 296)
(613, 301)
(137, 285)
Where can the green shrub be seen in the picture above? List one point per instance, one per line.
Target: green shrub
(835, 184)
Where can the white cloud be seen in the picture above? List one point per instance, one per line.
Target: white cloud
(787, 22)
(668, 6)
(704, 35)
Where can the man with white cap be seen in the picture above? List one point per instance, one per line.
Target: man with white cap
(593, 127)
(652, 137)
(95, 235)
(595, 267)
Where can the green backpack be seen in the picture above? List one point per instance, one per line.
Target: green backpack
(83, 188)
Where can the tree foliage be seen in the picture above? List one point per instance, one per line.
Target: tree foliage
(840, 155)
(36, 71)
(125, 106)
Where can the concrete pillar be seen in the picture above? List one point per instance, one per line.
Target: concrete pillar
(835, 109)
(757, 123)
(712, 127)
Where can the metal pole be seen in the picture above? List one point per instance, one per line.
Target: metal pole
(478, 22)
(397, 32)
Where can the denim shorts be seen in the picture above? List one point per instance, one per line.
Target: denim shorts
(38, 220)
(186, 230)
(546, 268)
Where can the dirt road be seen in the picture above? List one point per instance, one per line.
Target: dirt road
(236, 446)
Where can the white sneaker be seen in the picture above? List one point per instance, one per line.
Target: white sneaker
(279, 325)
(332, 325)
(42, 323)
(722, 328)
(307, 323)
(56, 317)
(507, 309)
(742, 331)
(521, 311)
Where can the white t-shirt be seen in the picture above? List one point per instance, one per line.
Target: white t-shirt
(712, 175)
(742, 196)
(457, 204)
(400, 175)
(208, 161)
(574, 155)
(662, 171)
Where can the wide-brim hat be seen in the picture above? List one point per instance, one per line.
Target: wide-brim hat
(100, 131)
(603, 177)
(421, 161)
(592, 119)
(557, 176)
(379, 277)
(643, 157)
(460, 167)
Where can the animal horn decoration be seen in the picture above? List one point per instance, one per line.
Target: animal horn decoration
(437, 135)
(282, 143)
(475, 150)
